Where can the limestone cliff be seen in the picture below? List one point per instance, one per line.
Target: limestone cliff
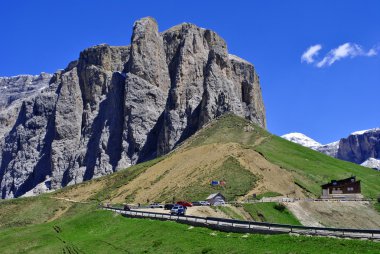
(360, 146)
(118, 106)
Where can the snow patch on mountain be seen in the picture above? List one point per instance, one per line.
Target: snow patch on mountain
(301, 139)
(365, 131)
(372, 163)
(330, 149)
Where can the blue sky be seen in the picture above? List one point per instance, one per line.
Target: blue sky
(325, 103)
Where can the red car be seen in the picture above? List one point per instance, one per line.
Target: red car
(184, 203)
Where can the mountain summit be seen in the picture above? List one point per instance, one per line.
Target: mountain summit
(117, 106)
(361, 147)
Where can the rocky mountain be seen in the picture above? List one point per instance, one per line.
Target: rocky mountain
(12, 92)
(18, 87)
(330, 149)
(361, 147)
(118, 106)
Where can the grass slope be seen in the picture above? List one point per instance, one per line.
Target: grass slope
(311, 168)
(88, 231)
(28, 211)
(271, 212)
(47, 225)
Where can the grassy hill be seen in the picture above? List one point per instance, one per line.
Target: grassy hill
(249, 159)
(87, 230)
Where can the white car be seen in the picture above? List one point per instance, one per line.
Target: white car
(156, 205)
(204, 203)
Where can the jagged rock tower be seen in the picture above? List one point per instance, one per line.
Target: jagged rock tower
(117, 106)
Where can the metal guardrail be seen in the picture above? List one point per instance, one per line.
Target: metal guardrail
(256, 226)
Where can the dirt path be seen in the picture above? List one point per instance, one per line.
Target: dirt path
(71, 200)
(259, 141)
(59, 213)
(83, 191)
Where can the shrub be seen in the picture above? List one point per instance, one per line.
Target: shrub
(279, 207)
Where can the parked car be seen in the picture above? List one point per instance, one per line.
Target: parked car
(184, 203)
(127, 208)
(168, 206)
(219, 202)
(201, 203)
(156, 205)
(178, 210)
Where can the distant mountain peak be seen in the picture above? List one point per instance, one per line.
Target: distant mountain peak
(360, 147)
(365, 131)
(301, 139)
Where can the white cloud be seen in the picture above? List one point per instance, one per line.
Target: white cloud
(373, 51)
(343, 51)
(310, 53)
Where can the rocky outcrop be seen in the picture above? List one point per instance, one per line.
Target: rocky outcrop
(118, 106)
(12, 91)
(330, 149)
(22, 86)
(360, 146)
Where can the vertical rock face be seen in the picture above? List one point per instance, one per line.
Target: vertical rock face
(12, 91)
(117, 106)
(18, 87)
(360, 146)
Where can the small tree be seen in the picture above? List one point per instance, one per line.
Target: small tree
(280, 207)
(378, 199)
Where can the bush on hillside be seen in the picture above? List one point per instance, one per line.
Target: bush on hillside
(279, 207)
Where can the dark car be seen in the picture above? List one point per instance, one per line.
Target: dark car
(127, 208)
(184, 203)
(168, 206)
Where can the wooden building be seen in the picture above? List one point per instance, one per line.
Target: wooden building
(216, 199)
(348, 188)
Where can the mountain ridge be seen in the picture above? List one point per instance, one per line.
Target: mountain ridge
(360, 147)
(120, 105)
